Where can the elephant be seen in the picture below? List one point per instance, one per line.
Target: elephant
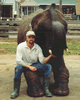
(50, 28)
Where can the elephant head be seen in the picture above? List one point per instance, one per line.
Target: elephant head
(50, 28)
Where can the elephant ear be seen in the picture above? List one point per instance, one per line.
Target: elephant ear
(25, 26)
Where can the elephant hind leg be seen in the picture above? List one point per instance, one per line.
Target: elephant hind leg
(34, 88)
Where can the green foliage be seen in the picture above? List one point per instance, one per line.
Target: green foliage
(73, 48)
(9, 48)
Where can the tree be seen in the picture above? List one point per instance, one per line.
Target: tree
(60, 5)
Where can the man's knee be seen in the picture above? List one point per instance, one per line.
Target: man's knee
(18, 68)
(49, 67)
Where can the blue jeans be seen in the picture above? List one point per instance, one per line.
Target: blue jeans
(40, 67)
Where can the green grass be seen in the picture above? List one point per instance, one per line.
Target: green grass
(73, 48)
(10, 48)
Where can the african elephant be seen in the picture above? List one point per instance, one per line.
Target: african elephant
(50, 28)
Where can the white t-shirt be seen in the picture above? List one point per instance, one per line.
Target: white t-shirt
(26, 56)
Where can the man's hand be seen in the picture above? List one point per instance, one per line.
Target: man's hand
(47, 58)
(33, 68)
(53, 55)
(50, 51)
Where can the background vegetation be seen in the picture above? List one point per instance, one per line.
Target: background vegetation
(10, 48)
(73, 48)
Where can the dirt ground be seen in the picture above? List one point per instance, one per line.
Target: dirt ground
(7, 65)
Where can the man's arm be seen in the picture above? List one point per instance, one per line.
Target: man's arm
(48, 58)
(21, 62)
(43, 59)
(31, 68)
(19, 56)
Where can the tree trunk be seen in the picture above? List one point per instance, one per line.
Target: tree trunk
(60, 5)
(0, 10)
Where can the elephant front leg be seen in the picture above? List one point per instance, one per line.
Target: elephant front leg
(34, 88)
(61, 84)
(61, 77)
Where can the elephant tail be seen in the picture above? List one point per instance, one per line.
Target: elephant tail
(53, 13)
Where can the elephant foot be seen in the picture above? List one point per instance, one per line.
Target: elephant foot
(61, 90)
(35, 91)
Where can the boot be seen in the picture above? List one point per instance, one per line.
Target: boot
(46, 85)
(16, 89)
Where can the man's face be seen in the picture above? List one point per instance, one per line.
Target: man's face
(30, 39)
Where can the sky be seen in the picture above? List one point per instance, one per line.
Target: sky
(56, 1)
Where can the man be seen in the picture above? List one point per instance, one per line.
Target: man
(29, 55)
